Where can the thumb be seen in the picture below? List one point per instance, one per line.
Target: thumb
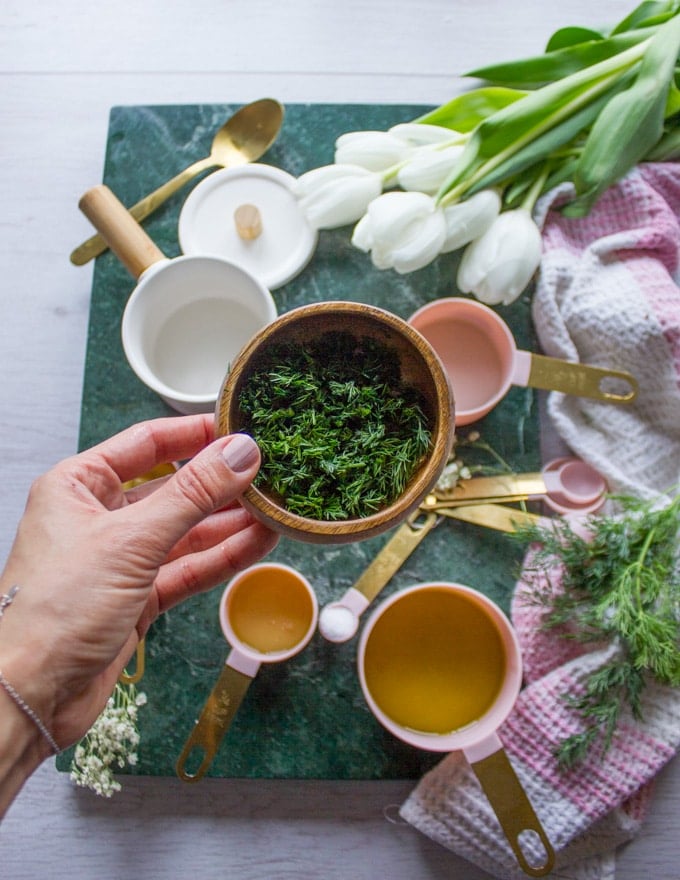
(216, 476)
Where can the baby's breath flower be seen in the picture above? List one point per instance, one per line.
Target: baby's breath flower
(457, 469)
(450, 476)
(110, 742)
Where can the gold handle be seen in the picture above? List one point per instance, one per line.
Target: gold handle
(493, 516)
(553, 374)
(514, 811)
(213, 722)
(518, 486)
(97, 244)
(395, 552)
(133, 677)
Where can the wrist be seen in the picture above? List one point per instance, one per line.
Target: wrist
(22, 749)
(25, 680)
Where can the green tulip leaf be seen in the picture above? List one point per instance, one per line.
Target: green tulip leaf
(667, 148)
(515, 126)
(535, 182)
(514, 195)
(544, 147)
(673, 102)
(631, 123)
(556, 65)
(562, 173)
(464, 112)
(648, 13)
(571, 36)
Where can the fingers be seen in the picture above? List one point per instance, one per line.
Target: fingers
(209, 482)
(211, 531)
(195, 573)
(139, 448)
(199, 572)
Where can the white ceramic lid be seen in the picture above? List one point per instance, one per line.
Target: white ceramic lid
(207, 226)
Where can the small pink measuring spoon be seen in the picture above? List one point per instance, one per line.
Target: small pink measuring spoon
(566, 485)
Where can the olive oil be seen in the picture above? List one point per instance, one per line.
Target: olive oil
(270, 611)
(435, 661)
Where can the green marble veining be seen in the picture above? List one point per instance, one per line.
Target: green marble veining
(305, 718)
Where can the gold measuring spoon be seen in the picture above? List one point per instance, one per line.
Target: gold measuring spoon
(339, 620)
(567, 485)
(243, 138)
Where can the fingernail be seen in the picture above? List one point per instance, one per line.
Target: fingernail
(240, 453)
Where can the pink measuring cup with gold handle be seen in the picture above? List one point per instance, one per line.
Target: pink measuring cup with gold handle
(483, 362)
(440, 668)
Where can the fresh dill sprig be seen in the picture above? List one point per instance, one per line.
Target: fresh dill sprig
(339, 432)
(620, 587)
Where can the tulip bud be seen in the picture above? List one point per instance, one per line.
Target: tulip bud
(467, 220)
(335, 195)
(373, 150)
(428, 168)
(417, 134)
(497, 266)
(402, 230)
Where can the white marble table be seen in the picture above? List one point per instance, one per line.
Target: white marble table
(62, 66)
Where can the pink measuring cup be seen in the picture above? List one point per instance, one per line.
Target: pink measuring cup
(266, 590)
(399, 644)
(483, 362)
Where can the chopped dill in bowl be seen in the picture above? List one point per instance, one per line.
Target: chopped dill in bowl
(339, 432)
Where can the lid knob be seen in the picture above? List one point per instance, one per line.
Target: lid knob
(248, 222)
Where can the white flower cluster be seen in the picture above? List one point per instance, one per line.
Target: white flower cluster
(406, 228)
(453, 473)
(110, 743)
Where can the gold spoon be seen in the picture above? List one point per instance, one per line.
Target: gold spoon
(243, 138)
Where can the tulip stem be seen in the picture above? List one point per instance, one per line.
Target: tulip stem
(536, 189)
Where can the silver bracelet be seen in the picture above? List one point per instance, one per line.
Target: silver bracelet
(26, 709)
(5, 600)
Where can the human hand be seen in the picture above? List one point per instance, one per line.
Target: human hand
(96, 564)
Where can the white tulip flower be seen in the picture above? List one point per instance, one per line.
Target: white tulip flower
(373, 150)
(497, 266)
(417, 134)
(336, 195)
(467, 220)
(402, 230)
(427, 169)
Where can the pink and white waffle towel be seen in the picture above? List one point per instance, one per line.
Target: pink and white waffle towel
(607, 295)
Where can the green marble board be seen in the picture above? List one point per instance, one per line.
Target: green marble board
(305, 718)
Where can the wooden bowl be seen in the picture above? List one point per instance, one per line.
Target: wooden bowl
(420, 368)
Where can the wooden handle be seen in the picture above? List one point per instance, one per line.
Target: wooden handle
(120, 230)
(248, 222)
